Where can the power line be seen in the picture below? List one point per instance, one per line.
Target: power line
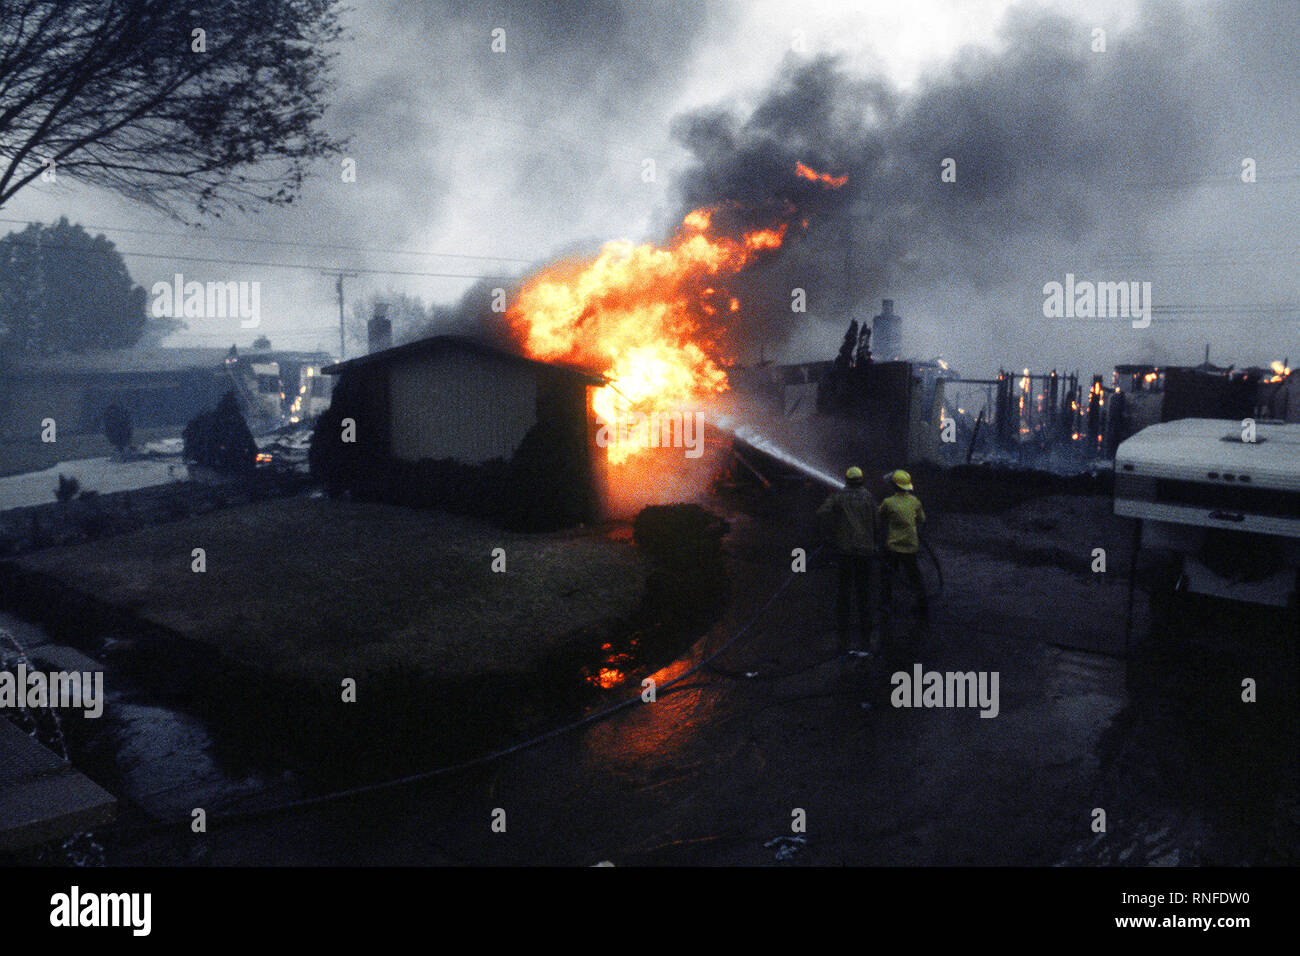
(269, 265)
(1225, 256)
(264, 329)
(1223, 180)
(1226, 307)
(278, 242)
(1241, 262)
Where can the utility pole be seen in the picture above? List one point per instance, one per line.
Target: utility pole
(338, 289)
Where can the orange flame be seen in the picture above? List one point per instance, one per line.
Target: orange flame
(826, 179)
(636, 313)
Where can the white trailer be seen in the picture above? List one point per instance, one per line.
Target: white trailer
(1224, 498)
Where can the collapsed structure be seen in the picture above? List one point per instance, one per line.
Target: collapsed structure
(873, 406)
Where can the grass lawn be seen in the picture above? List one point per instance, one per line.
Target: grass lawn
(318, 589)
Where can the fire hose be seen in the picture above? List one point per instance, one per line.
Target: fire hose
(778, 675)
(938, 568)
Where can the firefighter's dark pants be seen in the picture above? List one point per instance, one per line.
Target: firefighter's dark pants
(896, 561)
(855, 580)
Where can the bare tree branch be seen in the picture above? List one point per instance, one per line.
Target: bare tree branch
(115, 92)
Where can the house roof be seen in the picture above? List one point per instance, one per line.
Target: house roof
(120, 361)
(439, 343)
(154, 361)
(284, 355)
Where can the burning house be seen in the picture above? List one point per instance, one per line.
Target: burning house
(408, 422)
(882, 414)
(664, 323)
(616, 362)
(1280, 394)
(1149, 394)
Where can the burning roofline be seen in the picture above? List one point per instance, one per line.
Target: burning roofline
(440, 342)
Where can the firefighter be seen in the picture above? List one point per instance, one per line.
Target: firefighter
(848, 516)
(900, 515)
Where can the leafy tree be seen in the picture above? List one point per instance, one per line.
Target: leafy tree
(204, 105)
(261, 344)
(63, 290)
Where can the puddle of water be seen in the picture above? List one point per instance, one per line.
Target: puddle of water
(1070, 672)
(164, 761)
(161, 758)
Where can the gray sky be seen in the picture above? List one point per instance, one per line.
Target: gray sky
(1115, 165)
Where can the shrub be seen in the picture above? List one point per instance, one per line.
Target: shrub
(219, 439)
(546, 486)
(117, 427)
(68, 488)
(338, 465)
(690, 582)
(681, 534)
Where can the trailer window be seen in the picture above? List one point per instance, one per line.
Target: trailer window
(1258, 501)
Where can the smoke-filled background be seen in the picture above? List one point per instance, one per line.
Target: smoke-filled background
(475, 166)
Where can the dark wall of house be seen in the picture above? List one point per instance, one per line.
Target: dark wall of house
(568, 401)
(549, 483)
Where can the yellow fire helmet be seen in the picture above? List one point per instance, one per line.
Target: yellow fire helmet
(854, 474)
(902, 479)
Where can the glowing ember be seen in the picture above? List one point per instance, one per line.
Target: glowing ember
(1280, 371)
(607, 678)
